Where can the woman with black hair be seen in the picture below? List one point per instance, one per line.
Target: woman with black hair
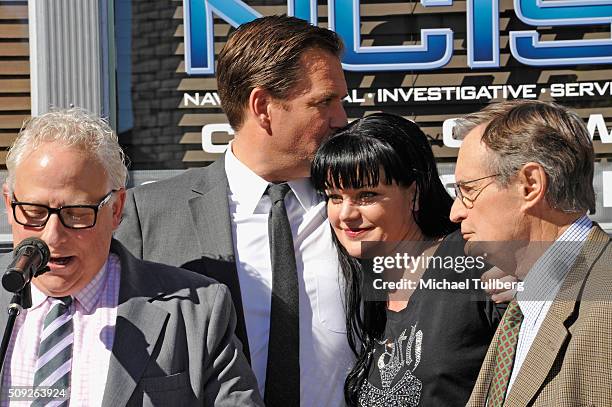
(420, 347)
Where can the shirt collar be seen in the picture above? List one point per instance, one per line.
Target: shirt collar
(545, 278)
(248, 188)
(37, 297)
(305, 193)
(578, 231)
(88, 296)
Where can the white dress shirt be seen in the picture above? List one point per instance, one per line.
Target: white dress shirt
(325, 357)
(542, 284)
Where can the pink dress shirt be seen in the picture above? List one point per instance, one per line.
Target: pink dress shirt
(94, 315)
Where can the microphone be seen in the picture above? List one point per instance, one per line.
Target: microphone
(30, 259)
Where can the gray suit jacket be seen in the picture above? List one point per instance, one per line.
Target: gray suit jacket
(569, 362)
(184, 221)
(174, 341)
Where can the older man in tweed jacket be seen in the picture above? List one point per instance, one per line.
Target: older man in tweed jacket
(524, 179)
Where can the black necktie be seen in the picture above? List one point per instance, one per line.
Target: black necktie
(283, 368)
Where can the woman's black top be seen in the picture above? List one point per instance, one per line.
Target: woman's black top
(432, 350)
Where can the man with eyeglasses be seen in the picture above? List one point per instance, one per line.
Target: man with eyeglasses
(104, 327)
(524, 185)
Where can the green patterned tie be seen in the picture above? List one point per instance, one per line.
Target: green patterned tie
(506, 349)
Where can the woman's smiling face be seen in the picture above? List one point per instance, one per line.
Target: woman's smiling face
(371, 214)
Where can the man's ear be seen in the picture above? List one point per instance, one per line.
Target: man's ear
(6, 193)
(533, 184)
(259, 103)
(118, 204)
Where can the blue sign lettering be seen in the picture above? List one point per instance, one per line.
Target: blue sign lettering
(199, 34)
(528, 49)
(434, 52)
(482, 33)
(436, 45)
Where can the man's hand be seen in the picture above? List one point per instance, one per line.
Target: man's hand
(499, 295)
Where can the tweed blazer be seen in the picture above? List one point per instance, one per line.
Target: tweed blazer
(570, 360)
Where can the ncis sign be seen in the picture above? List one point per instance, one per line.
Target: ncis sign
(436, 47)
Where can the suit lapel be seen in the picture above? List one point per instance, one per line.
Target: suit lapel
(212, 226)
(210, 212)
(541, 355)
(139, 325)
(138, 328)
(479, 394)
(554, 333)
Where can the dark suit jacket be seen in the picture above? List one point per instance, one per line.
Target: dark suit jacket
(174, 340)
(184, 221)
(569, 363)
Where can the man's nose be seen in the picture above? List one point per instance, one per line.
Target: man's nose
(54, 231)
(338, 118)
(458, 211)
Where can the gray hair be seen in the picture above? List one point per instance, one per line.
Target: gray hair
(465, 124)
(521, 131)
(72, 128)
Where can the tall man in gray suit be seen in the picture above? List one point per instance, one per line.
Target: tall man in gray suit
(281, 85)
(106, 328)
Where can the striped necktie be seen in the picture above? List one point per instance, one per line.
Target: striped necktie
(506, 349)
(55, 352)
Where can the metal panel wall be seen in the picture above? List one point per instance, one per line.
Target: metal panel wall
(66, 51)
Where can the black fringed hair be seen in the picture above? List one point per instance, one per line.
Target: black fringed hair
(354, 158)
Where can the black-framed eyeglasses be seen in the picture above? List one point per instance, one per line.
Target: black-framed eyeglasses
(72, 216)
(466, 201)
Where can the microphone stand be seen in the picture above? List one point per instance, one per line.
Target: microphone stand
(21, 300)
